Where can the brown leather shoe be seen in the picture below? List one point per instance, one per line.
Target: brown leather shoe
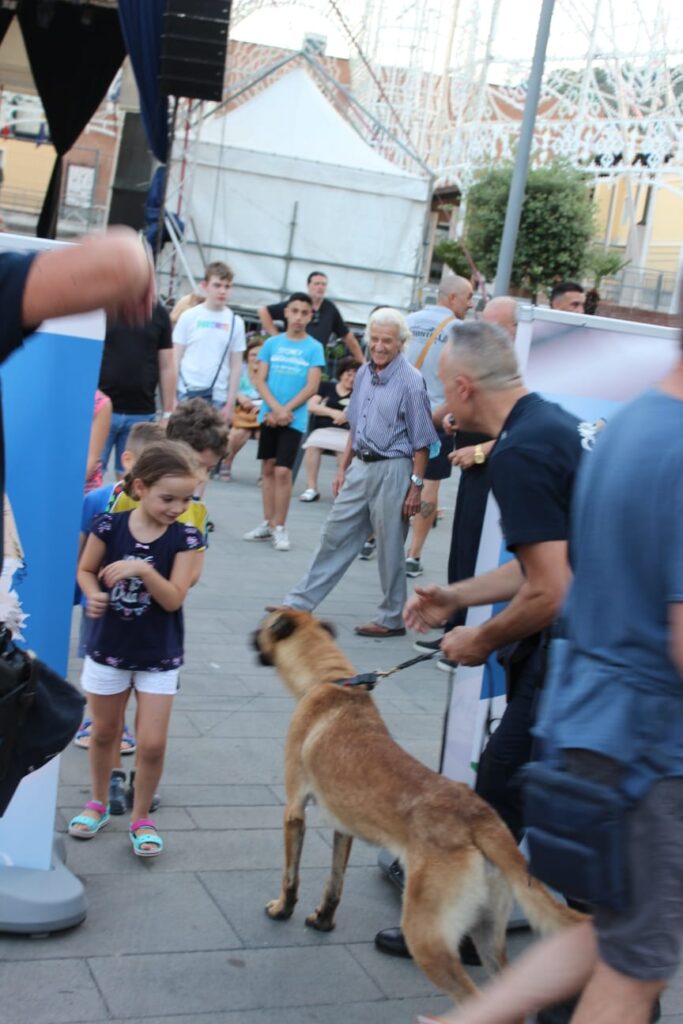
(379, 632)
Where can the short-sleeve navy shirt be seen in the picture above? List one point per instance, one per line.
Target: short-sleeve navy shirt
(533, 466)
(326, 322)
(136, 632)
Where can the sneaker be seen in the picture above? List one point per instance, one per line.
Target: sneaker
(280, 539)
(427, 646)
(309, 495)
(263, 531)
(368, 550)
(445, 665)
(413, 567)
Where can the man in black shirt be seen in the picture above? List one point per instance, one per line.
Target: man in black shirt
(134, 362)
(327, 321)
(532, 469)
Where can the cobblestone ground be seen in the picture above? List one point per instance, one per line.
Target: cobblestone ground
(184, 938)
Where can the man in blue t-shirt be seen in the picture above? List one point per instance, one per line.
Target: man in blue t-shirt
(289, 374)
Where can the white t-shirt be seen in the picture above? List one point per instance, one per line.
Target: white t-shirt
(204, 333)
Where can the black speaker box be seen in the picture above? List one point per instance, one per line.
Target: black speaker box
(193, 48)
(131, 179)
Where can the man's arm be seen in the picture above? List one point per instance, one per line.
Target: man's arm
(275, 409)
(431, 607)
(535, 605)
(411, 502)
(233, 384)
(676, 635)
(112, 271)
(351, 342)
(168, 378)
(309, 389)
(267, 321)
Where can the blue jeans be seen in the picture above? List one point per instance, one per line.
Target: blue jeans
(121, 422)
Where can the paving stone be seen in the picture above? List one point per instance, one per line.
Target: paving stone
(366, 906)
(143, 986)
(51, 992)
(178, 915)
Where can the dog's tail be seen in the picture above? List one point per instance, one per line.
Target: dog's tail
(545, 913)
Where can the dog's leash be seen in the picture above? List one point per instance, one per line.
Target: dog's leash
(370, 679)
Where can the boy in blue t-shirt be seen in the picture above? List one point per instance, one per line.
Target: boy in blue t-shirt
(288, 375)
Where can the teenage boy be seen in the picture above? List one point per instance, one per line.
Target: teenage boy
(288, 375)
(209, 341)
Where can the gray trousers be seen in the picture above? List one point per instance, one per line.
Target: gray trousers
(371, 501)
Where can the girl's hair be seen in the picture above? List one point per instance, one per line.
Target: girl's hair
(161, 458)
(256, 341)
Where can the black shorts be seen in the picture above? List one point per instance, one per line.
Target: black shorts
(439, 468)
(279, 443)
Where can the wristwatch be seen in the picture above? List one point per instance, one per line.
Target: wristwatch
(417, 480)
(479, 455)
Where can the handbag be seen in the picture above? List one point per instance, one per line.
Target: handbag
(39, 715)
(244, 420)
(207, 393)
(576, 835)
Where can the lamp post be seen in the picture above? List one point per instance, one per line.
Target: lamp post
(521, 170)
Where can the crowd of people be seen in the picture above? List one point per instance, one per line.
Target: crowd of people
(591, 597)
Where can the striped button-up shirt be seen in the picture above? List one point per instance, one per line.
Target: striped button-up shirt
(389, 410)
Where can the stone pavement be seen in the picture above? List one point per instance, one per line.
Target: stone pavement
(184, 938)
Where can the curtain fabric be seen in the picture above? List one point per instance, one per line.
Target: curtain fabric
(142, 25)
(73, 63)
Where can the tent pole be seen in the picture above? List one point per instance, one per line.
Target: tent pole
(290, 242)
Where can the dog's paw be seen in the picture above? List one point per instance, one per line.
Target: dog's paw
(277, 911)
(319, 922)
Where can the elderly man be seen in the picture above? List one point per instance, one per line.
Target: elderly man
(380, 479)
(429, 328)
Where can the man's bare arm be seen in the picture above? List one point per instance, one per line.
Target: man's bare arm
(112, 271)
(168, 379)
(676, 635)
(539, 598)
(267, 321)
(431, 607)
(351, 342)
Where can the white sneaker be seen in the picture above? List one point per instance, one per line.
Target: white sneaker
(280, 539)
(263, 531)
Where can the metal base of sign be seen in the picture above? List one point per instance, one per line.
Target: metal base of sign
(386, 864)
(38, 902)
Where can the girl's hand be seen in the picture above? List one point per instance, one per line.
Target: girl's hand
(122, 570)
(97, 605)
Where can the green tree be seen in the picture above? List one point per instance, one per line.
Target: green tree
(450, 252)
(555, 230)
(604, 263)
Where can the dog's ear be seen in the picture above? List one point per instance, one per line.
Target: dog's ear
(282, 628)
(329, 628)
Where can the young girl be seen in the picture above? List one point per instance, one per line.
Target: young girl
(135, 572)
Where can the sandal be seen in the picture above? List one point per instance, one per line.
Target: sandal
(92, 825)
(225, 474)
(147, 838)
(127, 741)
(82, 737)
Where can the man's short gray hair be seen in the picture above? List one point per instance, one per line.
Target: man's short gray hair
(484, 352)
(452, 284)
(387, 315)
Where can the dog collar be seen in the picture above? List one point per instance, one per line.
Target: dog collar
(368, 679)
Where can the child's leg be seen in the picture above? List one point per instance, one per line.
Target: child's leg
(107, 712)
(283, 494)
(268, 490)
(154, 712)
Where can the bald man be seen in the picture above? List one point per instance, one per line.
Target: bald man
(429, 328)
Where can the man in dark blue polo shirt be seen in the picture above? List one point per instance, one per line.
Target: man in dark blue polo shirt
(532, 471)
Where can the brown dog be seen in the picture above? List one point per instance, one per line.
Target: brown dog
(462, 864)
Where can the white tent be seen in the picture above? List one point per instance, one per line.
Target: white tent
(284, 185)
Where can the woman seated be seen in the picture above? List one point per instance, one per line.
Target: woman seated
(329, 426)
(247, 405)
